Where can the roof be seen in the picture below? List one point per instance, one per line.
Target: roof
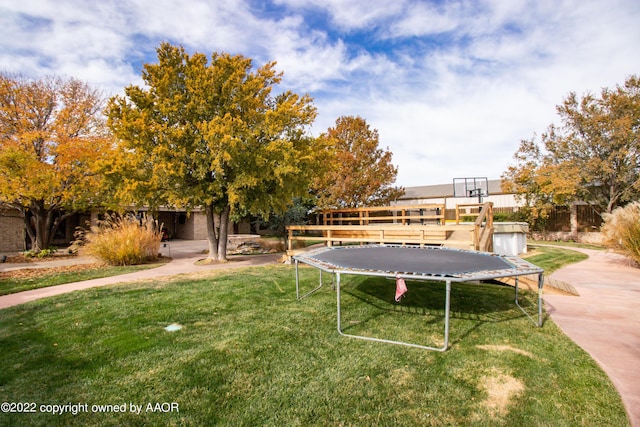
(443, 190)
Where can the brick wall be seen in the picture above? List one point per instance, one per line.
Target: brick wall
(11, 231)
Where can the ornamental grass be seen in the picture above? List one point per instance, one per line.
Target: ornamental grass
(123, 240)
(621, 230)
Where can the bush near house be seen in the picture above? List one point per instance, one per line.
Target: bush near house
(122, 240)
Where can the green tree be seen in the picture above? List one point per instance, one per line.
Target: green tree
(359, 172)
(212, 135)
(594, 156)
(52, 136)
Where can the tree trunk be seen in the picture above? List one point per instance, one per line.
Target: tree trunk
(26, 215)
(223, 235)
(212, 239)
(41, 223)
(46, 223)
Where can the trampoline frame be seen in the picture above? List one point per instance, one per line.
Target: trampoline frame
(519, 268)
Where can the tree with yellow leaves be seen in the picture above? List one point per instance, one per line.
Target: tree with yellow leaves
(593, 157)
(52, 134)
(212, 135)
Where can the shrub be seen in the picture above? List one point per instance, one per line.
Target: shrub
(44, 253)
(123, 240)
(621, 230)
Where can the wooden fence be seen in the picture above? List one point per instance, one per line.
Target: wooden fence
(588, 219)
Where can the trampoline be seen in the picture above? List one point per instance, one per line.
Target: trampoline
(416, 263)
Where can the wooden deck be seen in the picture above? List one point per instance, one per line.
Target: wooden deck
(403, 225)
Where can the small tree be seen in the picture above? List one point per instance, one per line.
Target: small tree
(296, 214)
(359, 173)
(212, 135)
(594, 156)
(52, 136)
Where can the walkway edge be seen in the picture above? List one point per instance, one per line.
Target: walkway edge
(173, 268)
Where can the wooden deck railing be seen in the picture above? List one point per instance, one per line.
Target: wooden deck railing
(382, 234)
(408, 214)
(483, 224)
(475, 236)
(483, 229)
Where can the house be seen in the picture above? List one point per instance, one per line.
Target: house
(12, 234)
(446, 194)
(178, 224)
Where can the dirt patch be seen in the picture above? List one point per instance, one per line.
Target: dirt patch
(502, 390)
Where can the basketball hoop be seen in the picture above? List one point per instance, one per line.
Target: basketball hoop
(471, 187)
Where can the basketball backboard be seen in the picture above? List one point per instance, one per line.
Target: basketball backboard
(471, 187)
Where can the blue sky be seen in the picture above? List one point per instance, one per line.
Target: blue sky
(451, 86)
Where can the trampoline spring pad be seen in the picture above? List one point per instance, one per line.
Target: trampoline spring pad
(417, 262)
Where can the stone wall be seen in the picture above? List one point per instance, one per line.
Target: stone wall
(594, 238)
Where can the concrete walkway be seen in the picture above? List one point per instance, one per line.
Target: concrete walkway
(605, 319)
(184, 253)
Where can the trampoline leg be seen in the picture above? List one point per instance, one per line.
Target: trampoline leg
(297, 281)
(540, 285)
(424, 347)
(298, 285)
(338, 302)
(537, 322)
(447, 305)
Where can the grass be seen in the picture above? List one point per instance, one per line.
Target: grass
(553, 258)
(250, 354)
(43, 279)
(566, 244)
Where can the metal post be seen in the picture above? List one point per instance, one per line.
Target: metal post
(338, 301)
(540, 285)
(447, 305)
(537, 322)
(297, 282)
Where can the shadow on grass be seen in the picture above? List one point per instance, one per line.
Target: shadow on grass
(472, 305)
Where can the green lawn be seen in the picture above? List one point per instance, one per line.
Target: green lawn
(250, 354)
(10, 285)
(552, 258)
(568, 245)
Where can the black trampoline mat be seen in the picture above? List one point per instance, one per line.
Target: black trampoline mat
(414, 260)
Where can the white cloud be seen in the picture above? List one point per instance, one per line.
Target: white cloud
(422, 19)
(350, 15)
(452, 87)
